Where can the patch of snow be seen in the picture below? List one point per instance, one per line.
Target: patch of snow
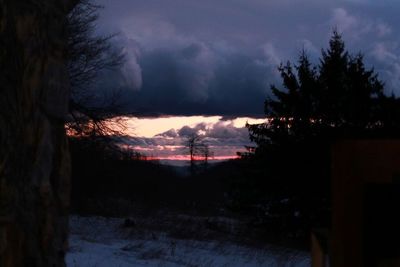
(102, 242)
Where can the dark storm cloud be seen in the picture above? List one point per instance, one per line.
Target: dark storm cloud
(195, 79)
(219, 57)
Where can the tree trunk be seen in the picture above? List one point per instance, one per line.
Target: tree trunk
(34, 157)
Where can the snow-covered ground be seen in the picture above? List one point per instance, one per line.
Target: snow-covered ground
(104, 242)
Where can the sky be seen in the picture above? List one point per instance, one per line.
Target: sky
(190, 57)
(165, 138)
(219, 57)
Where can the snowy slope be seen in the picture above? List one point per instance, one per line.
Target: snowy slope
(101, 242)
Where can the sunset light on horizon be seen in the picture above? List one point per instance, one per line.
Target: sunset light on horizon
(163, 138)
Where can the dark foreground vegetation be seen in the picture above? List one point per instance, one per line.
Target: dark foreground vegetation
(107, 182)
(102, 174)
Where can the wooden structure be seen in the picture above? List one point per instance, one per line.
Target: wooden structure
(365, 205)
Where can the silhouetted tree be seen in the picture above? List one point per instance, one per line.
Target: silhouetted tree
(88, 55)
(339, 97)
(192, 143)
(339, 94)
(198, 150)
(205, 153)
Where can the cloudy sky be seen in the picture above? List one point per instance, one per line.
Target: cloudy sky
(165, 138)
(219, 57)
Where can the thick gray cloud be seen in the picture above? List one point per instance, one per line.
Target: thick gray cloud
(219, 57)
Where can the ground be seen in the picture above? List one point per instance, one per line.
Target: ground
(107, 242)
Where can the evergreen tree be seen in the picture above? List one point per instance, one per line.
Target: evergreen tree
(339, 97)
(340, 94)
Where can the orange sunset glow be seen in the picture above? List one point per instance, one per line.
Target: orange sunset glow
(150, 127)
(163, 138)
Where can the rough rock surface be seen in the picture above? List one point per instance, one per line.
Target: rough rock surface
(34, 158)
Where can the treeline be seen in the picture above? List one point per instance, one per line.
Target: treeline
(109, 181)
(288, 178)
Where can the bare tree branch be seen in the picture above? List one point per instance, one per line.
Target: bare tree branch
(88, 55)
